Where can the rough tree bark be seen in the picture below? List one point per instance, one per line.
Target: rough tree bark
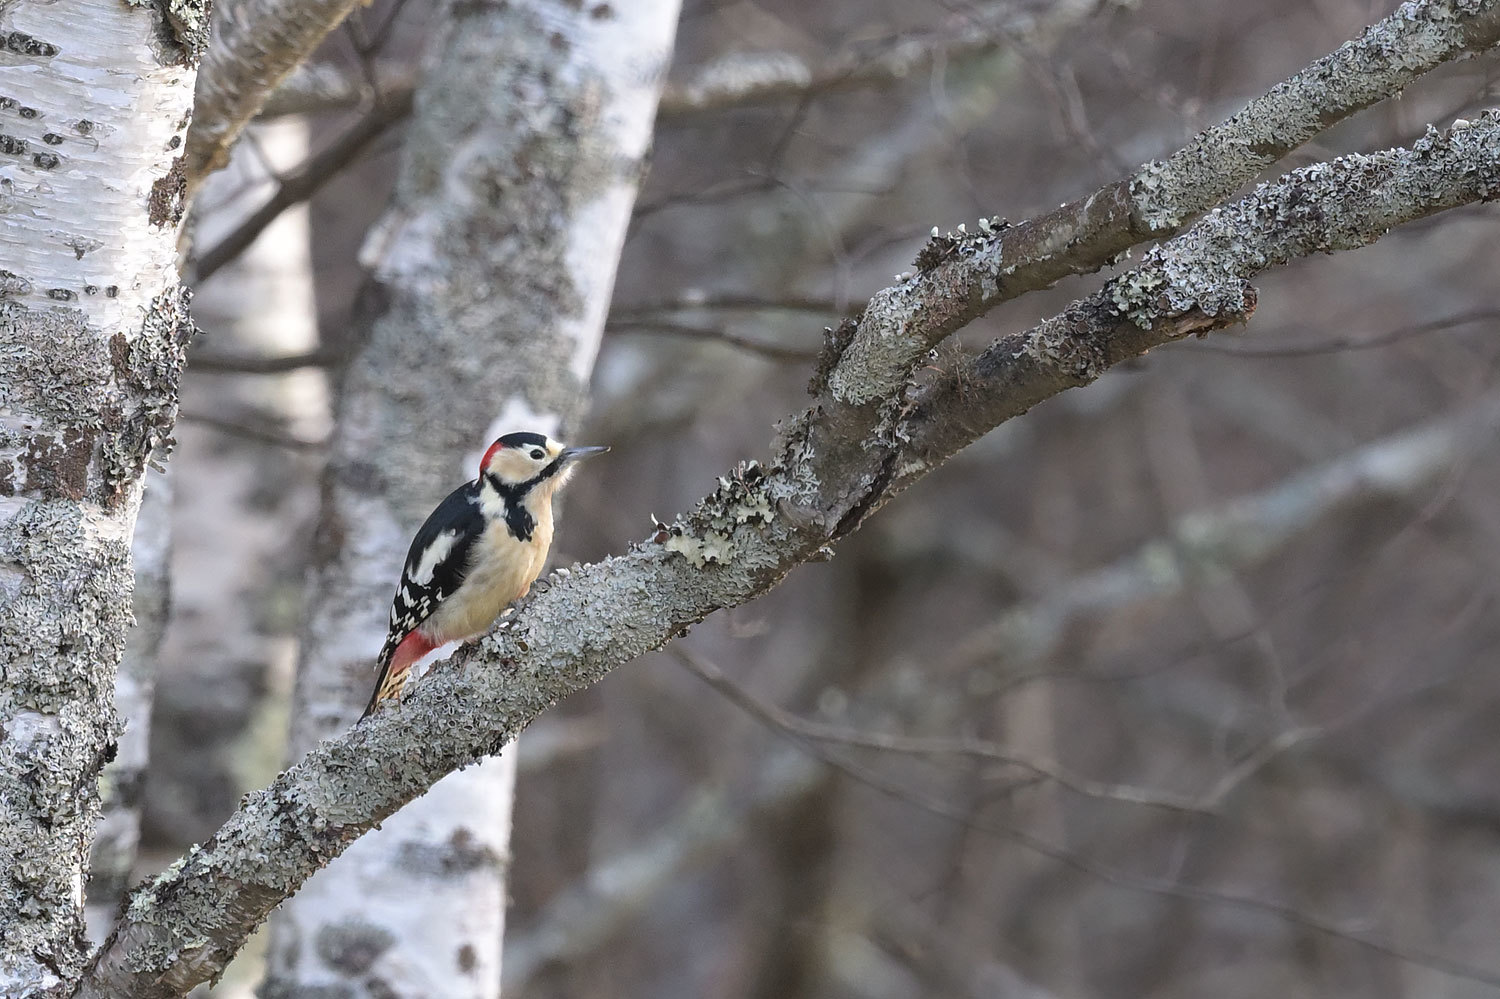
(492, 271)
(92, 329)
(119, 831)
(876, 425)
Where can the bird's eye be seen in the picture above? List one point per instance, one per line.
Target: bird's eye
(537, 454)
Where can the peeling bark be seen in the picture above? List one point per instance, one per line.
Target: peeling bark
(835, 464)
(494, 268)
(92, 330)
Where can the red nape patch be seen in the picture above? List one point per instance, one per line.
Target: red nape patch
(488, 454)
(412, 647)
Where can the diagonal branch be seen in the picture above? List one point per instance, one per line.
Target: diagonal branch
(836, 463)
(744, 79)
(1159, 198)
(256, 44)
(302, 183)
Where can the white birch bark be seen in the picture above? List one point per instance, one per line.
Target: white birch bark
(495, 265)
(92, 328)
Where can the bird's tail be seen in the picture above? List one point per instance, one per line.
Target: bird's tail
(395, 664)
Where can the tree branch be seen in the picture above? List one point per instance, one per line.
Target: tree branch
(1214, 543)
(1159, 198)
(748, 79)
(256, 44)
(744, 79)
(303, 183)
(870, 433)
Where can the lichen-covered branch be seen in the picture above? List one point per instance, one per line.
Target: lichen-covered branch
(256, 43)
(1200, 546)
(1193, 279)
(834, 464)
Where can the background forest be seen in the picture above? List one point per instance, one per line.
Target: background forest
(1177, 686)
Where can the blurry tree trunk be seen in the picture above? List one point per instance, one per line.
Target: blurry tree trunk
(92, 328)
(226, 662)
(118, 834)
(492, 273)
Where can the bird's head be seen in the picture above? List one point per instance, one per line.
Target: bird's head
(525, 459)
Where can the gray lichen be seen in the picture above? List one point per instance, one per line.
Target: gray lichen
(182, 29)
(708, 534)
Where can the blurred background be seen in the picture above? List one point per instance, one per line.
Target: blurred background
(1174, 687)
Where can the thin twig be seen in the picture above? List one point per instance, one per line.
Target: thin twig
(260, 433)
(770, 350)
(779, 719)
(302, 183)
(689, 301)
(1341, 344)
(248, 364)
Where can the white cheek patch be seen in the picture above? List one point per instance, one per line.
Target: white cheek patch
(421, 573)
(491, 504)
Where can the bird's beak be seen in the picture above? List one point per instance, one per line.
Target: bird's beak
(571, 454)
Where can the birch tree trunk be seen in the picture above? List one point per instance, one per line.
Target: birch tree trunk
(493, 270)
(92, 328)
(119, 832)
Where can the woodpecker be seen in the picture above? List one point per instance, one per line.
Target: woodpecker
(477, 552)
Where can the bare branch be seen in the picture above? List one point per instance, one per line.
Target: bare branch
(781, 720)
(870, 433)
(747, 79)
(302, 184)
(693, 301)
(223, 362)
(1340, 344)
(1158, 199)
(312, 88)
(580, 919)
(744, 79)
(773, 351)
(261, 430)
